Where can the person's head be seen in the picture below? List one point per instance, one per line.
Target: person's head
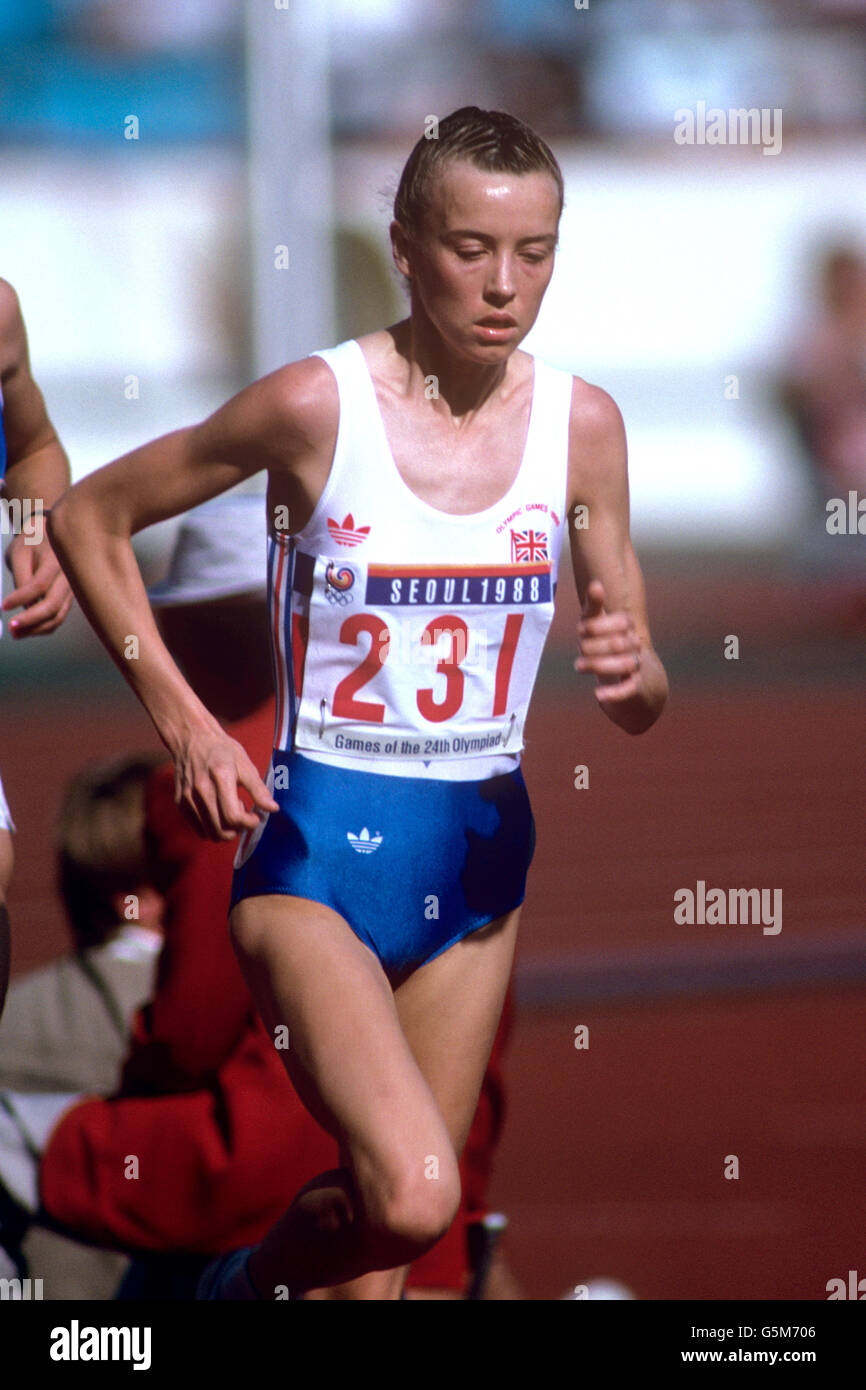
(476, 219)
(105, 874)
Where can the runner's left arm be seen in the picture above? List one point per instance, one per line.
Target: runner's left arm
(615, 641)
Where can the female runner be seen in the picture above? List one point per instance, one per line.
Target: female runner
(421, 480)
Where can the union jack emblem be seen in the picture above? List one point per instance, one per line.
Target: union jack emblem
(528, 546)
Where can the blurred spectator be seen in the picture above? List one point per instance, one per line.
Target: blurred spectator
(159, 25)
(74, 71)
(825, 381)
(66, 1026)
(823, 389)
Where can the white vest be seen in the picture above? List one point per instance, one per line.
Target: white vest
(406, 639)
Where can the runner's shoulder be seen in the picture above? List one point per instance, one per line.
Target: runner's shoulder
(595, 415)
(597, 454)
(304, 396)
(291, 411)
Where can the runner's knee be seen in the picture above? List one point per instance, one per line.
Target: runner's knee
(415, 1209)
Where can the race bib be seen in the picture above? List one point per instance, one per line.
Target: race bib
(424, 662)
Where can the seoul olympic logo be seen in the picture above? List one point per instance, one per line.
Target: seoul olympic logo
(338, 580)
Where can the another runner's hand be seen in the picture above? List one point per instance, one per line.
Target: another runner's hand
(609, 648)
(207, 777)
(41, 588)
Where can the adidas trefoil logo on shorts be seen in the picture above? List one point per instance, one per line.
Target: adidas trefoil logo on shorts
(364, 843)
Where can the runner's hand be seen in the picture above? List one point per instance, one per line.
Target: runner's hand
(41, 588)
(609, 648)
(207, 776)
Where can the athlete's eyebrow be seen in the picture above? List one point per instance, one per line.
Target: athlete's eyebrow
(490, 241)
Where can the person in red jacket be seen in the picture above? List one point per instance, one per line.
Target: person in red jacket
(185, 1161)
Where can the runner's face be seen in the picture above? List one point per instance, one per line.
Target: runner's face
(485, 257)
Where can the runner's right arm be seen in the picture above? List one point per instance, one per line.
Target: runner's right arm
(272, 424)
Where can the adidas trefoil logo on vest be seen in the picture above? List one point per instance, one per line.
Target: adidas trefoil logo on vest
(345, 532)
(364, 843)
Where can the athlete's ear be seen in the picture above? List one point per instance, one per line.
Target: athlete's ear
(400, 249)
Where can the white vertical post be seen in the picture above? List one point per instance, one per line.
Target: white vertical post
(291, 206)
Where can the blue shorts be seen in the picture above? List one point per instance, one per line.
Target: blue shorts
(413, 865)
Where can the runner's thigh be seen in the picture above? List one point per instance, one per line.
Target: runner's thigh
(450, 1010)
(347, 1055)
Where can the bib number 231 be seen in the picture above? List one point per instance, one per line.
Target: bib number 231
(347, 706)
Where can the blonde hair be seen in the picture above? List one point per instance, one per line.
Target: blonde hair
(490, 140)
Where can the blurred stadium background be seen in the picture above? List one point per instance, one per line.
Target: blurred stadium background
(143, 254)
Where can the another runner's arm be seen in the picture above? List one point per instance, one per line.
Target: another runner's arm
(37, 473)
(614, 628)
(267, 425)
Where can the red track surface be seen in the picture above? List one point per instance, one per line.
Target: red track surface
(613, 1159)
